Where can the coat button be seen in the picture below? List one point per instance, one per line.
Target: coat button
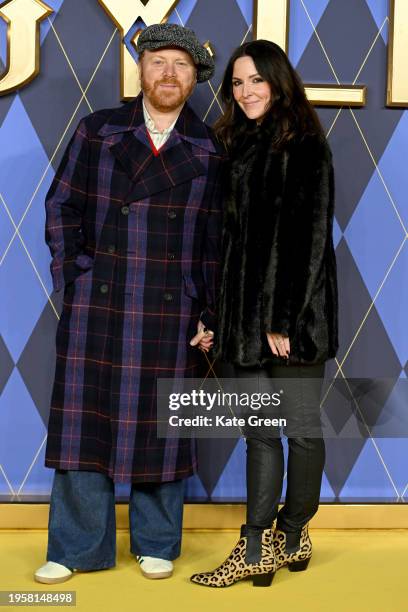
(168, 297)
(172, 214)
(104, 288)
(111, 249)
(171, 256)
(125, 210)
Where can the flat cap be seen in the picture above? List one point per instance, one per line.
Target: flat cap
(162, 35)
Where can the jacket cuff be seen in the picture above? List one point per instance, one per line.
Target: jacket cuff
(278, 327)
(209, 319)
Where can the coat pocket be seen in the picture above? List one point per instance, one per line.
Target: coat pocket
(77, 269)
(77, 284)
(194, 288)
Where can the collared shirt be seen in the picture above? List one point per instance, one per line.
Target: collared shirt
(158, 138)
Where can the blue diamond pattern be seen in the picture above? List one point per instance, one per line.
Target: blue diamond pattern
(394, 418)
(195, 489)
(45, 27)
(18, 316)
(369, 477)
(6, 364)
(301, 30)
(379, 10)
(182, 12)
(246, 7)
(20, 148)
(373, 219)
(232, 482)
(326, 491)
(393, 167)
(392, 450)
(6, 230)
(392, 305)
(39, 479)
(337, 233)
(32, 232)
(21, 431)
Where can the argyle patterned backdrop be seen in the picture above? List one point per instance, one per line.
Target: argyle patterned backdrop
(331, 41)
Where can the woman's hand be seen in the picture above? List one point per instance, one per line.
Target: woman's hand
(204, 338)
(279, 344)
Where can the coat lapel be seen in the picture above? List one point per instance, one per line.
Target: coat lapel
(176, 162)
(133, 152)
(174, 165)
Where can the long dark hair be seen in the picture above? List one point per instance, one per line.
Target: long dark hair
(290, 109)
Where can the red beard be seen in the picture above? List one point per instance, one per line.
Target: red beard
(166, 100)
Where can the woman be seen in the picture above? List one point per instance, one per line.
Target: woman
(278, 300)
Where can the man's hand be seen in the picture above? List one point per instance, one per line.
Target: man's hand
(204, 339)
(279, 344)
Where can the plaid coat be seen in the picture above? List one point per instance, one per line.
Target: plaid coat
(134, 239)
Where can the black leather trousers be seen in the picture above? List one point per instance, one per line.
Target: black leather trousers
(265, 460)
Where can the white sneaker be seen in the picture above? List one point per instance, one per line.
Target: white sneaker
(52, 573)
(153, 567)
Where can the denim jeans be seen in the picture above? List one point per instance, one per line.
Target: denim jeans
(82, 525)
(306, 458)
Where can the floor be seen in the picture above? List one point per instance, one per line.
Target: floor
(351, 570)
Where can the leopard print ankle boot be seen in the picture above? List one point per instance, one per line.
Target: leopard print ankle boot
(236, 568)
(296, 561)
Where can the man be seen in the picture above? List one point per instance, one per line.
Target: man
(133, 218)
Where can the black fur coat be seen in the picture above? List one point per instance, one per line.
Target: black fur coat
(279, 267)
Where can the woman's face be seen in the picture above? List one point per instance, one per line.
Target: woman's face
(250, 90)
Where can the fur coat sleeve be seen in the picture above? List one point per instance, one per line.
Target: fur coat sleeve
(305, 229)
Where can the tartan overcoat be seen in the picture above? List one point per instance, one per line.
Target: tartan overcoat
(134, 239)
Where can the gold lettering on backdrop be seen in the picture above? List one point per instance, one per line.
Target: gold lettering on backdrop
(23, 41)
(397, 86)
(124, 13)
(337, 95)
(271, 22)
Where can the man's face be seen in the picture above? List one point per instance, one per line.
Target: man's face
(168, 77)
